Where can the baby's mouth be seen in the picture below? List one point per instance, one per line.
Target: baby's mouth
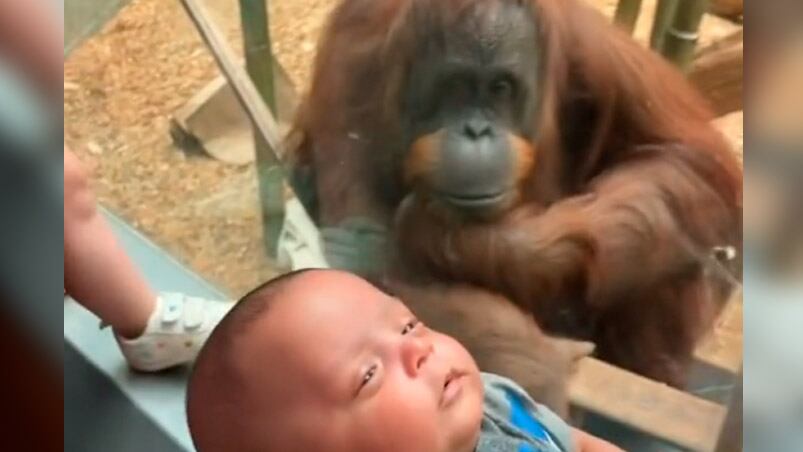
(452, 387)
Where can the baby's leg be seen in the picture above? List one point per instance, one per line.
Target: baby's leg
(155, 331)
(97, 272)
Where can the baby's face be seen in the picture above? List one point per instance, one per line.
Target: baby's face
(359, 373)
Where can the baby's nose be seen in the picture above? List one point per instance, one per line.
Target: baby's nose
(415, 353)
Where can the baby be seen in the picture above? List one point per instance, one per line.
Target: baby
(321, 360)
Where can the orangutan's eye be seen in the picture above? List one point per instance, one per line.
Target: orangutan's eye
(502, 88)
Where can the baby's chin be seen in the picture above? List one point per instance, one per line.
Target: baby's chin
(466, 416)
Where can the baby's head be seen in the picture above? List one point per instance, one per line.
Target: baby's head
(323, 360)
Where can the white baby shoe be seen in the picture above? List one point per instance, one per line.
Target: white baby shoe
(178, 327)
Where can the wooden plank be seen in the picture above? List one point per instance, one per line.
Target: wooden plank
(722, 349)
(718, 73)
(647, 406)
(213, 121)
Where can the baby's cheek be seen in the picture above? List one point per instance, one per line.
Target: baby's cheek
(402, 417)
(455, 352)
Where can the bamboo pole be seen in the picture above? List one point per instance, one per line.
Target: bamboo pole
(627, 12)
(259, 62)
(664, 13)
(681, 36)
(257, 44)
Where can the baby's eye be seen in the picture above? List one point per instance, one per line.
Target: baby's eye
(368, 376)
(410, 326)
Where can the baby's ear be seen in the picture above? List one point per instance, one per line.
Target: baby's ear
(573, 350)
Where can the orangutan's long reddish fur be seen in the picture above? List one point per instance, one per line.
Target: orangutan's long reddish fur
(611, 254)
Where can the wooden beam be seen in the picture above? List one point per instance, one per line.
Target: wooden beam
(213, 120)
(269, 149)
(647, 406)
(258, 113)
(718, 73)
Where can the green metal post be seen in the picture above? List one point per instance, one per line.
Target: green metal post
(681, 37)
(664, 14)
(259, 62)
(627, 12)
(258, 50)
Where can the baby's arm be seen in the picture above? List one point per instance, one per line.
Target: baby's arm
(588, 443)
